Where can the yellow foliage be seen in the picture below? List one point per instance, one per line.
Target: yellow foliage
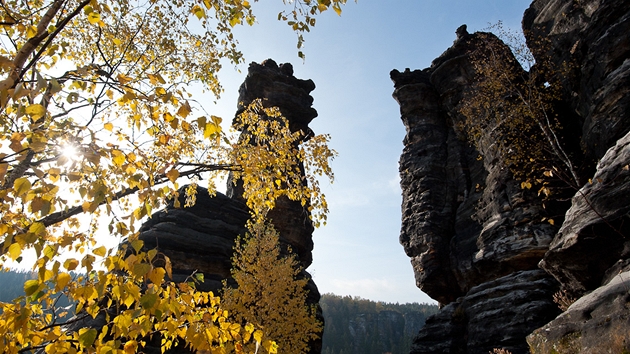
(508, 112)
(122, 106)
(270, 294)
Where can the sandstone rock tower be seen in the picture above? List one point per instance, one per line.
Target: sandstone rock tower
(201, 238)
(478, 241)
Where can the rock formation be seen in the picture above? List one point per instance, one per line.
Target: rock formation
(201, 238)
(479, 243)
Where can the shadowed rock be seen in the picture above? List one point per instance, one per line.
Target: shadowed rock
(467, 224)
(201, 238)
(596, 323)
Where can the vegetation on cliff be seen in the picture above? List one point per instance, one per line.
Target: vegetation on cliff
(511, 107)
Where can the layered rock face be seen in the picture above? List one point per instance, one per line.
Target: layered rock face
(478, 242)
(201, 238)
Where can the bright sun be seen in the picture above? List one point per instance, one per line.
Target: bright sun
(69, 152)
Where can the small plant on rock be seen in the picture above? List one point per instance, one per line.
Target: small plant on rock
(563, 299)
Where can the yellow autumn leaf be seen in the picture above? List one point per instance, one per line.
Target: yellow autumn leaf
(87, 336)
(168, 267)
(14, 251)
(3, 169)
(258, 335)
(198, 11)
(31, 32)
(37, 228)
(35, 111)
(70, 264)
(210, 130)
(94, 17)
(31, 286)
(108, 126)
(337, 8)
(147, 301)
(172, 175)
(63, 279)
(163, 139)
(101, 251)
(156, 275)
(184, 110)
(271, 347)
(21, 186)
(123, 79)
(156, 78)
(53, 174)
(141, 269)
(137, 245)
(118, 158)
(130, 347)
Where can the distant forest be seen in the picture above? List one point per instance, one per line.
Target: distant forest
(12, 287)
(353, 325)
(12, 284)
(360, 326)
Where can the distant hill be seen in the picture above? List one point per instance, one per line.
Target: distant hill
(360, 326)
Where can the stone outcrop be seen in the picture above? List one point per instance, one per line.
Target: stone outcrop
(596, 323)
(596, 227)
(491, 315)
(279, 88)
(201, 238)
(476, 239)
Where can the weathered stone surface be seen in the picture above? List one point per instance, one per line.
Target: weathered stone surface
(591, 38)
(594, 235)
(200, 238)
(465, 220)
(496, 314)
(467, 224)
(277, 87)
(427, 207)
(596, 323)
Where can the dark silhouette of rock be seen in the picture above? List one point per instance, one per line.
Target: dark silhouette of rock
(465, 220)
(476, 239)
(201, 238)
(491, 315)
(590, 36)
(279, 88)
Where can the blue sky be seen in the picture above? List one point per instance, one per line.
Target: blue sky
(349, 59)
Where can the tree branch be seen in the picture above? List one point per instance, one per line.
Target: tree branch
(60, 216)
(29, 47)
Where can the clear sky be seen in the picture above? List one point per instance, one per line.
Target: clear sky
(349, 59)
